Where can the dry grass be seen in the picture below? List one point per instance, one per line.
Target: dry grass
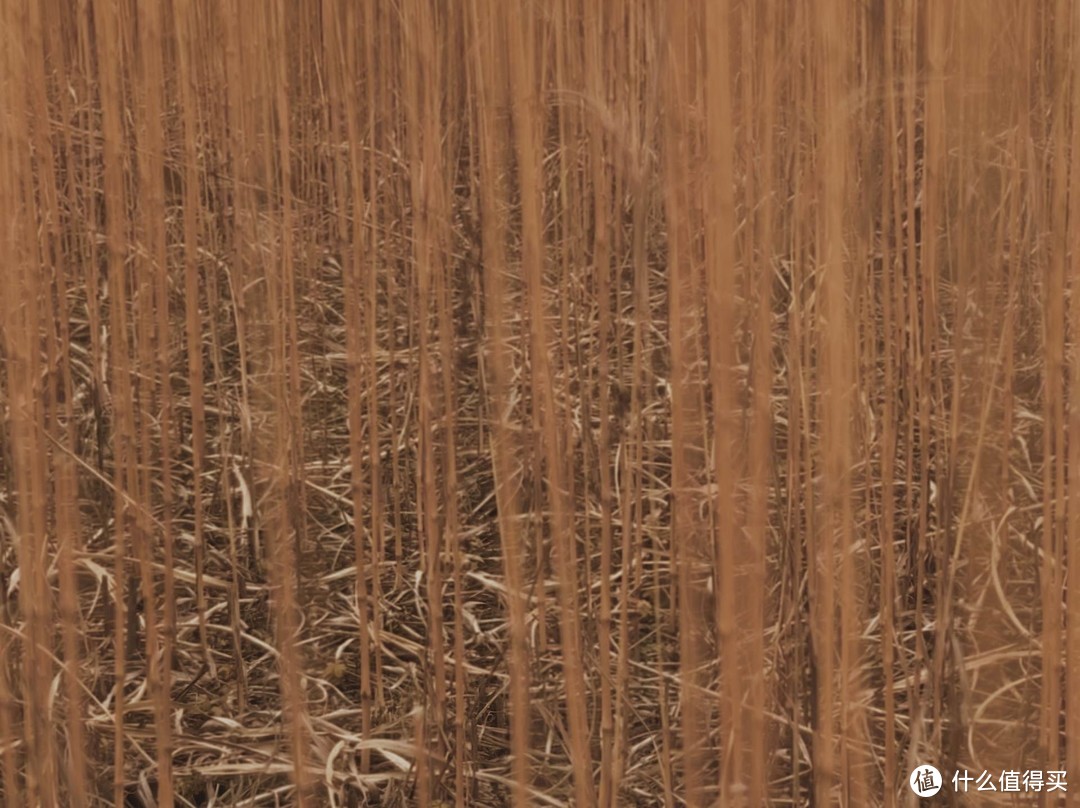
(498, 403)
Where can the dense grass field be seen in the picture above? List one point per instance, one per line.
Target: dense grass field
(537, 402)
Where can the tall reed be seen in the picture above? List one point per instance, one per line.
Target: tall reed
(507, 403)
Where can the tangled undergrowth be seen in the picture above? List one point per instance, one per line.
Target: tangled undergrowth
(482, 403)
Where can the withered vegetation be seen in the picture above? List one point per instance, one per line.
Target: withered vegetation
(505, 403)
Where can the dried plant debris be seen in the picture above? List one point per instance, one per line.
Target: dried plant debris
(492, 403)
